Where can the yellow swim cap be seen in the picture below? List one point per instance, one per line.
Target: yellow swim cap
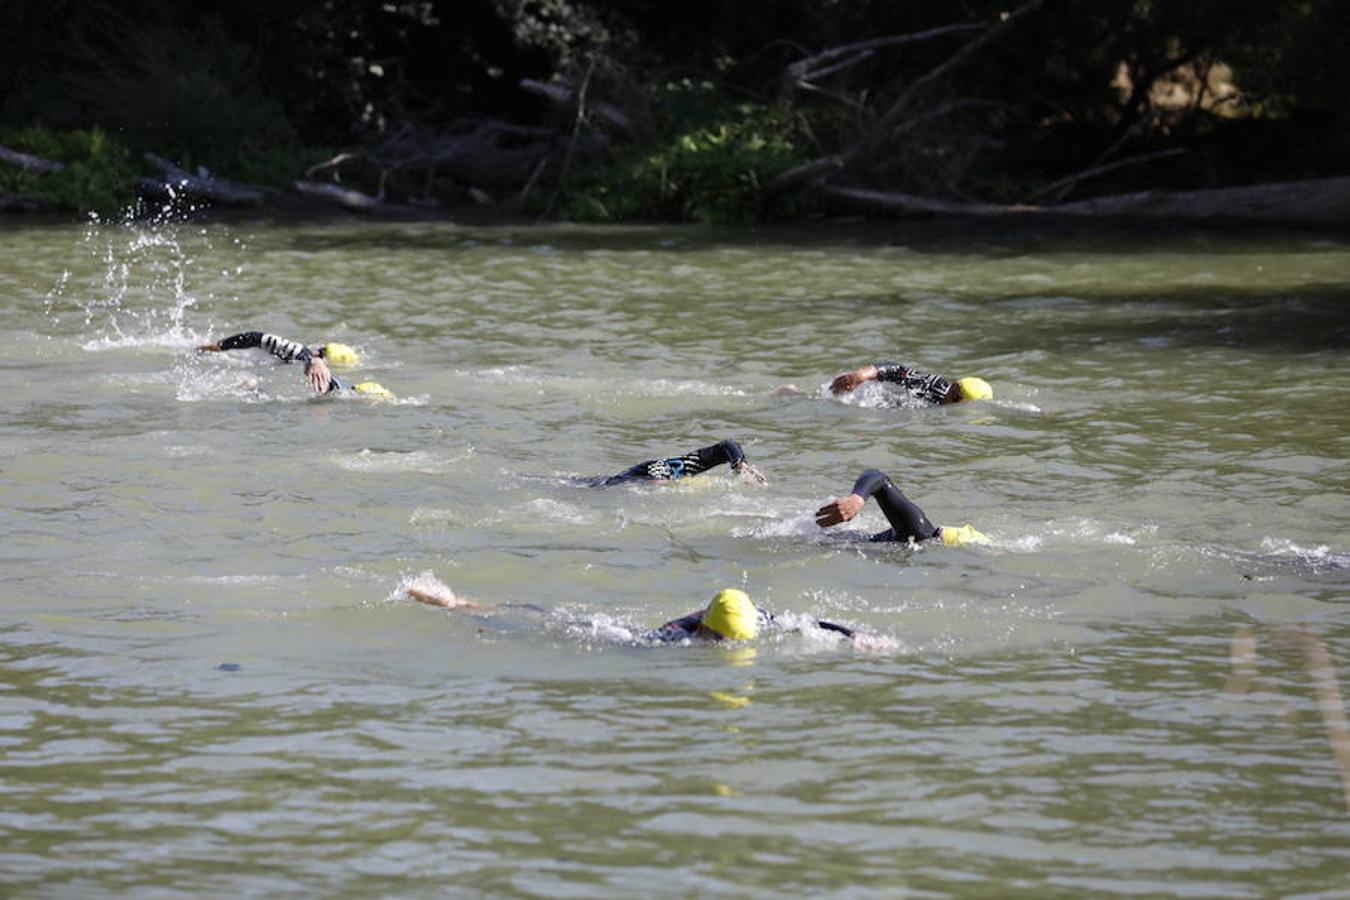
(732, 615)
(373, 389)
(974, 389)
(340, 355)
(955, 536)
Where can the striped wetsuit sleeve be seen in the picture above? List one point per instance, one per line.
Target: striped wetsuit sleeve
(705, 458)
(932, 388)
(277, 346)
(284, 349)
(673, 468)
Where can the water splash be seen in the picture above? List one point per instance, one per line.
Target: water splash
(142, 290)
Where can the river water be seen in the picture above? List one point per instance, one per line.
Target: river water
(211, 680)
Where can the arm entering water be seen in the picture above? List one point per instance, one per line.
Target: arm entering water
(316, 370)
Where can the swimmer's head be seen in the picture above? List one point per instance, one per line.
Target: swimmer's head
(340, 355)
(732, 615)
(373, 389)
(974, 389)
(959, 535)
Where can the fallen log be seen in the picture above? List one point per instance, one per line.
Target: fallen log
(1319, 201)
(347, 198)
(29, 162)
(204, 186)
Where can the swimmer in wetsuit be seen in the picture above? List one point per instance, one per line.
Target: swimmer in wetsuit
(927, 387)
(673, 468)
(316, 366)
(908, 523)
(731, 616)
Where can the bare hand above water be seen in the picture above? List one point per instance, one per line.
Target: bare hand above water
(750, 473)
(446, 599)
(841, 510)
(847, 381)
(319, 376)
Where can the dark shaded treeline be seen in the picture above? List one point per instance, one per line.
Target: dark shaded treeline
(697, 109)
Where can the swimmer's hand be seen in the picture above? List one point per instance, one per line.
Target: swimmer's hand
(847, 381)
(213, 347)
(750, 473)
(874, 642)
(841, 510)
(316, 370)
(445, 599)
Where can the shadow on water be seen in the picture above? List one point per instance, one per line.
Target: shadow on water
(1303, 320)
(1002, 239)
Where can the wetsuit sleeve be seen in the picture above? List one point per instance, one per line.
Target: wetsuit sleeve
(679, 629)
(242, 341)
(717, 454)
(277, 346)
(907, 521)
(832, 626)
(673, 468)
(932, 388)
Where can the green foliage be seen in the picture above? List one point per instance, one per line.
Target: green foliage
(715, 172)
(98, 174)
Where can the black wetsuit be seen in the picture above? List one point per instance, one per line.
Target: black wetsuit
(673, 468)
(926, 386)
(282, 349)
(908, 523)
(686, 627)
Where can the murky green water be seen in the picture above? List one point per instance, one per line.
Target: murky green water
(211, 683)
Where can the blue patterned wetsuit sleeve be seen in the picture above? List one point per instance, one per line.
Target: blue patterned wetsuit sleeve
(932, 388)
(673, 468)
(908, 523)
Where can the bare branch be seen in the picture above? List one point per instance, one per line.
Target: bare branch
(576, 129)
(561, 94)
(332, 163)
(807, 77)
(798, 69)
(1059, 189)
(802, 174)
(900, 106)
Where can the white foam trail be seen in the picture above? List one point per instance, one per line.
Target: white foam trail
(426, 462)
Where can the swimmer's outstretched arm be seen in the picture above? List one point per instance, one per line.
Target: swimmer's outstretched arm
(445, 600)
(847, 381)
(316, 370)
(933, 388)
(694, 462)
(725, 452)
(908, 522)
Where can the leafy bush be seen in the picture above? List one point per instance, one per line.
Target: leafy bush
(98, 174)
(715, 172)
